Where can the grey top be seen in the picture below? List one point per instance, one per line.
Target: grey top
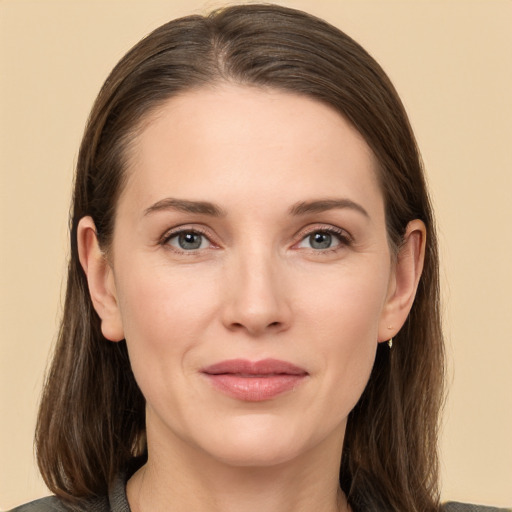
(116, 501)
(452, 506)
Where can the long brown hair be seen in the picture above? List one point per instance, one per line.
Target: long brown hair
(91, 420)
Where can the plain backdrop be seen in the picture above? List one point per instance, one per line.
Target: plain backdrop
(451, 62)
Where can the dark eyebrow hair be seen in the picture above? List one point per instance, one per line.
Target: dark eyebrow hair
(183, 205)
(207, 208)
(323, 205)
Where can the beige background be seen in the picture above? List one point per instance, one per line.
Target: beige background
(451, 63)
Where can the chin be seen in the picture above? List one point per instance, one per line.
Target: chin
(258, 443)
(256, 455)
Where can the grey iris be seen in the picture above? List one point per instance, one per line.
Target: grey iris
(189, 241)
(320, 240)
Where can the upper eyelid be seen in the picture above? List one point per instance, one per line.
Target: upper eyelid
(326, 228)
(172, 232)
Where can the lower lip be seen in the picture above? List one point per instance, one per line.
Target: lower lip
(254, 389)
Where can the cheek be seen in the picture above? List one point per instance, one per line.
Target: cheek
(163, 301)
(348, 301)
(344, 321)
(164, 314)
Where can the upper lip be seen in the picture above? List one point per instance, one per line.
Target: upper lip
(262, 367)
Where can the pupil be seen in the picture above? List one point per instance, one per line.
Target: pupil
(189, 241)
(320, 240)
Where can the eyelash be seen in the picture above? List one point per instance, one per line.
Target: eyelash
(178, 231)
(344, 239)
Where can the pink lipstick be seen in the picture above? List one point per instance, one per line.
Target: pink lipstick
(254, 381)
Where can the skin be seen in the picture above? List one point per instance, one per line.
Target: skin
(257, 287)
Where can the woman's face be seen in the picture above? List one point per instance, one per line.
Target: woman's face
(250, 273)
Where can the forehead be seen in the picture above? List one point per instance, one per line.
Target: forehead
(229, 139)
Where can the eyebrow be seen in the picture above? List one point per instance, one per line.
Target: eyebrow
(208, 208)
(322, 205)
(183, 205)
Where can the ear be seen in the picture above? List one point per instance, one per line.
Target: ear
(404, 280)
(100, 279)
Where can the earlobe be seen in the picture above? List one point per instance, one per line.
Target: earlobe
(100, 279)
(405, 280)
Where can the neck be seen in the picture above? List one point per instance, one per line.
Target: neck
(172, 482)
(245, 491)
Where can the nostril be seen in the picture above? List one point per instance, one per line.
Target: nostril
(252, 328)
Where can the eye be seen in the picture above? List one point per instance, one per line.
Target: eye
(322, 239)
(188, 240)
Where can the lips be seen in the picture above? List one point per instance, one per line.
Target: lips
(254, 381)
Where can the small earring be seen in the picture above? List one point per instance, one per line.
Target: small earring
(390, 342)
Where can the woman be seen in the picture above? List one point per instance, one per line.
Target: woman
(251, 318)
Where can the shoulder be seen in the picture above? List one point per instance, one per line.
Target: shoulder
(115, 501)
(53, 504)
(48, 504)
(453, 506)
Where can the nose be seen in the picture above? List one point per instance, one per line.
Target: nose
(257, 299)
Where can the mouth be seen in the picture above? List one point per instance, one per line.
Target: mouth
(254, 381)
